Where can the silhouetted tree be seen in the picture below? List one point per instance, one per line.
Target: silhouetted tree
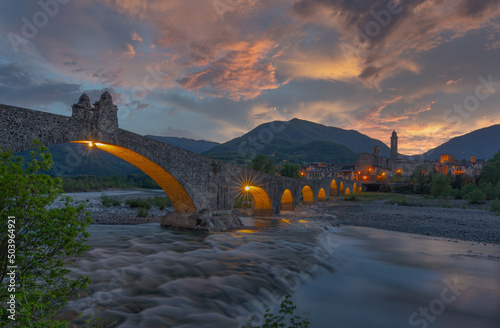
(264, 164)
(290, 170)
(440, 186)
(491, 171)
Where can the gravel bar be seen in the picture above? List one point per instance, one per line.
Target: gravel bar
(455, 223)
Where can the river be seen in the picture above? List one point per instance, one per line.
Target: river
(149, 276)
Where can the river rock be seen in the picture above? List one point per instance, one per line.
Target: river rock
(201, 221)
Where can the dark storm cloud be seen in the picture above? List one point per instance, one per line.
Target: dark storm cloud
(23, 89)
(388, 33)
(477, 7)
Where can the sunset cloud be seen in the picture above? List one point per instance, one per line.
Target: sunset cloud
(373, 66)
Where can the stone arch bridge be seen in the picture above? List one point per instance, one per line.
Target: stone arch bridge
(193, 182)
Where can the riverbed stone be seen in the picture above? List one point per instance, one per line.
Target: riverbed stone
(201, 221)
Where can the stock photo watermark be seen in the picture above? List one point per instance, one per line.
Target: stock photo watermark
(485, 89)
(11, 267)
(223, 6)
(152, 80)
(436, 307)
(32, 25)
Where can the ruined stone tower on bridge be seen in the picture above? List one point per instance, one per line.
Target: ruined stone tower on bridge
(103, 116)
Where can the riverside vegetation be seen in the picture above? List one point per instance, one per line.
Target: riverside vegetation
(430, 185)
(42, 257)
(48, 241)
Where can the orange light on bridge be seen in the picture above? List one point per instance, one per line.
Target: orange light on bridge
(91, 144)
(247, 188)
(365, 177)
(398, 171)
(383, 173)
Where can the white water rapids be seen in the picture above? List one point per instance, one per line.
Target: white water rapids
(149, 276)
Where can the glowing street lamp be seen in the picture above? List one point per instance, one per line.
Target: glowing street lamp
(247, 188)
(91, 144)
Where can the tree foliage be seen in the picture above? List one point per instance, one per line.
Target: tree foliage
(290, 170)
(264, 164)
(491, 171)
(440, 186)
(421, 179)
(476, 197)
(48, 239)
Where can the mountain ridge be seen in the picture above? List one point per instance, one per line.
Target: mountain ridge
(278, 137)
(482, 143)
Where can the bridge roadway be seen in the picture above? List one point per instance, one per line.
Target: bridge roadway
(193, 182)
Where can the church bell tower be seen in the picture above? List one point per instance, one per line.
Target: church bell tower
(394, 146)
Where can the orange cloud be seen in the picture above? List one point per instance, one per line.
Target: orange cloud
(242, 74)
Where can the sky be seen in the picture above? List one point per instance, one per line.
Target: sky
(214, 69)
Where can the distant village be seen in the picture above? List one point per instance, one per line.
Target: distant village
(373, 168)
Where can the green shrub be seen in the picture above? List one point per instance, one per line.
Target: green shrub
(488, 189)
(495, 206)
(440, 186)
(403, 201)
(142, 212)
(162, 202)
(385, 187)
(139, 203)
(456, 194)
(351, 197)
(467, 190)
(110, 201)
(476, 197)
(285, 318)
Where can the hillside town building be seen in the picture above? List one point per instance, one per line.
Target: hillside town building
(372, 167)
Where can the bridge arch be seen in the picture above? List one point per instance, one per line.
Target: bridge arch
(333, 188)
(260, 201)
(341, 189)
(287, 201)
(321, 195)
(307, 195)
(181, 200)
(347, 191)
(355, 188)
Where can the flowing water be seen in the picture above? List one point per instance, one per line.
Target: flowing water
(149, 276)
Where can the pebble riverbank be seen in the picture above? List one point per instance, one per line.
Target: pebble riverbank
(454, 223)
